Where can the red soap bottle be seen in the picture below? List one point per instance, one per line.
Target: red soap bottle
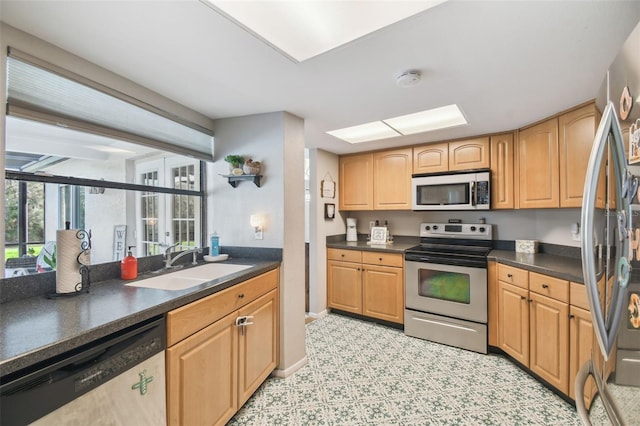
(129, 266)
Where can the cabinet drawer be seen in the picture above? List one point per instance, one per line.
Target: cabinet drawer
(344, 255)
(578, 296)
(189, 319)
(381, 258)
(515, 276)
(548, 286)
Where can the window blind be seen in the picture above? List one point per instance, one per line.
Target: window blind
(43, 92)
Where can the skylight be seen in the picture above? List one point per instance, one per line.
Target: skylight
(423, 121)
(304, 29)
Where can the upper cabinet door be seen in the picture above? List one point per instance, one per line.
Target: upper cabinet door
(502, 157)
(431, 158)
(538, 166)
(469, 154)
(577, 130)
(356, 182)
(392, 179)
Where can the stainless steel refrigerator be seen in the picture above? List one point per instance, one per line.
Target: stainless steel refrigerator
(610, 243)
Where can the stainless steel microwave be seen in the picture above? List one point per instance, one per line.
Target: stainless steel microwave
(451, 191)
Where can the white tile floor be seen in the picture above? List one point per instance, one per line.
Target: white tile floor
(361, 373)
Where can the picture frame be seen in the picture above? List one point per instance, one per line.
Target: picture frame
(328, 189)
(378, 235)
(329, 211)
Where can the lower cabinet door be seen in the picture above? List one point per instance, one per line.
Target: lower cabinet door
(202, 373)
(580, 350)
(258, 343)
(383, 293)
(549, 348)
(344, 286)
(513, 321)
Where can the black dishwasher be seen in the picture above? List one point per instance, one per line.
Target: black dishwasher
(118, 379)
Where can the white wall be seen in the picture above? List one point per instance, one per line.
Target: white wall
(277, 141)
(322, 164)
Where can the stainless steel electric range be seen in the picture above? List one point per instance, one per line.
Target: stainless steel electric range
(446, 285)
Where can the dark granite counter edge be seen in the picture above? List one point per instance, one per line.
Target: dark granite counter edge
(552, 260)
(566, 268)
(32, 358)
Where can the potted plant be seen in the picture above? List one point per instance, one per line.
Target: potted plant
(235, 163)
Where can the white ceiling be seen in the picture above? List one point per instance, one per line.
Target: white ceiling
(505, 63)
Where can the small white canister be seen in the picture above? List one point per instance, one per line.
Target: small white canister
(526, 246)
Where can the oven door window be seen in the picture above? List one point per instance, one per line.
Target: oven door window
(444, 194)
(444, 285)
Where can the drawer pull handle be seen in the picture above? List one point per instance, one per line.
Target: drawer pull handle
(545, 285)
(509, 276)
(241, 296)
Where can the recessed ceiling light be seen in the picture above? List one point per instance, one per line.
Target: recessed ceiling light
(429, 120)
(304, 29)
(365, 132)
(423, 121)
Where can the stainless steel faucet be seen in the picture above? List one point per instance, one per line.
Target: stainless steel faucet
(168, 260)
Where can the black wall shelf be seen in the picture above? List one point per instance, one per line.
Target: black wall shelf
(234, 179)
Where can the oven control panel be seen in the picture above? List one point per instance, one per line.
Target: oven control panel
(457, 230)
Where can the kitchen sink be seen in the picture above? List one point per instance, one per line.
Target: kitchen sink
(190, 277)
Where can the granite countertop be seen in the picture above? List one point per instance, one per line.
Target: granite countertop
(399, 245)
(567, 268)
(564, 267)
(36, 329)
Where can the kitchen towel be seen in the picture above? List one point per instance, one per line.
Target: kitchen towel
(72, 251)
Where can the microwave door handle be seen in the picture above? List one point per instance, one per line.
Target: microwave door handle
(474, 201)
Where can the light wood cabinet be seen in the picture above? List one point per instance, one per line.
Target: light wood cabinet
(469, 154)
(513, 321)
(257, 354)
(538, 165)
(581, 339)
(371, 284)
(577, 130)
(431, 158)
(502, 171)
(376, 181)
(552, 158)
(392, 179)
(356, 182)
(544, 324)
(450, 156)
(213, 369)
(201, 379)
(549, 340)
(344, 286)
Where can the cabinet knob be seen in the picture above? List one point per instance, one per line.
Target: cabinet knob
(523, 298)
(241, 296)
(342, 254)
(380, 259)
(509, 276)
(545, 285)
(571, 316)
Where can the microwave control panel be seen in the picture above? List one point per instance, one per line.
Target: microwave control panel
(482, 192)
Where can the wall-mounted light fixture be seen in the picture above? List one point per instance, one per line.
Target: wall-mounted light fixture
(256, 222)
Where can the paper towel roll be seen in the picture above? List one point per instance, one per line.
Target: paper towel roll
(70, 256)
